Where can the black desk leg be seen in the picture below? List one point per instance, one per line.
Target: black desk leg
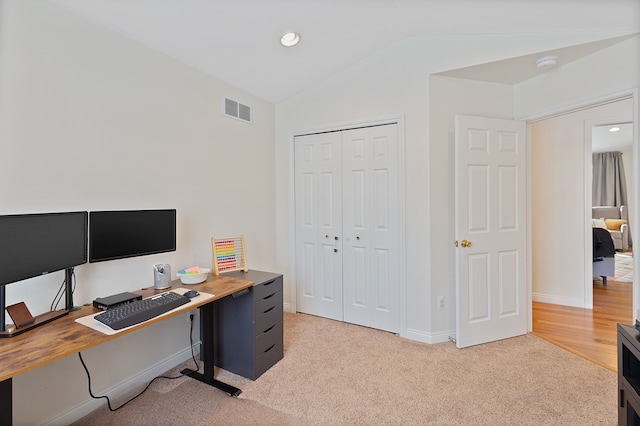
(6, 402)
(207, 353)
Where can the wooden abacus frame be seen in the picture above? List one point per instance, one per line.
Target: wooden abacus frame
(228, 254)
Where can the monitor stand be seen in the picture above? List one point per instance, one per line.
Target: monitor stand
(68, 290)
(38, 320)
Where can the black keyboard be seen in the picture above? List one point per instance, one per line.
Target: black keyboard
(141, 310)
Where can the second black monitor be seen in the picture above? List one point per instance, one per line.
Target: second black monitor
(118, 234)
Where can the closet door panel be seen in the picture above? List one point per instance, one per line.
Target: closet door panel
(382, 282)
(371, 230)
(318, 216)
(359, 287)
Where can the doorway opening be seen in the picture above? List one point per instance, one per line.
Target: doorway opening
(555, 313)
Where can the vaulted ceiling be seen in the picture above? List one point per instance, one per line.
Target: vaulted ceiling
(238, 40)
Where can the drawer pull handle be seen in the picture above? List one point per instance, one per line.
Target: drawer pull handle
(269, 283)
(240, 293)
(270, 309)
(270, 347)
(269, 296)
(269, 329)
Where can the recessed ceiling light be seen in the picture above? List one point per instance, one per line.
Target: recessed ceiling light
(614, 129)
(290, 39)
(547, 62)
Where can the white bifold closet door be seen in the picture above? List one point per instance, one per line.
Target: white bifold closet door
(347, 226)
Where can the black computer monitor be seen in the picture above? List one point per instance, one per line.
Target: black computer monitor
(120, 234)
(37, 244)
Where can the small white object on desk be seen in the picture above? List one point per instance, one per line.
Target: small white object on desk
(191, 278)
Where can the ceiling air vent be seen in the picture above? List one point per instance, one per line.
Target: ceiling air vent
(237, 110)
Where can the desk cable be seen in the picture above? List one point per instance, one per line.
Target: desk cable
(187, 371)
(58, 297)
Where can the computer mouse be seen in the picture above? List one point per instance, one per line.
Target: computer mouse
(191, 294)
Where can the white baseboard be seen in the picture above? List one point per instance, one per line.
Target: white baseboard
(545, 298)
(419, 336)
(430, 338)
(89, 405)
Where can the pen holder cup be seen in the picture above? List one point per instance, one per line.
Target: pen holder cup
(161, 276)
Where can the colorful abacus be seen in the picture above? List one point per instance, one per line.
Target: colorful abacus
(229, 254)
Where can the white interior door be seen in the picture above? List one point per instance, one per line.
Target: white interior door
(371, 231)
(347, 226)
(491, 296)
(318, 204)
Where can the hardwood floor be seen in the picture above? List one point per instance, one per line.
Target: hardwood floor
(589, 333)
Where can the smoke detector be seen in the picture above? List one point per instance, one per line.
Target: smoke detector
(547, 62)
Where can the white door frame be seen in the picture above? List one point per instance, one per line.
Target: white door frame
(399, 119)
(635, 215)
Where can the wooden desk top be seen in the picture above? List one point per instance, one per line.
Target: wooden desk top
(64, 336)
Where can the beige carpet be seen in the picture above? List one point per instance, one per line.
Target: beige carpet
(335, 373)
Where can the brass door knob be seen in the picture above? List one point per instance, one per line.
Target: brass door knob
(465, 243)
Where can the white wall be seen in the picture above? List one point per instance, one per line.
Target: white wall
(90, 120)
(559, 176)
(600, 74)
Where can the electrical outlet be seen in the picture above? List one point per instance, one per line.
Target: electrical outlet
(189, 314)
(440, 302)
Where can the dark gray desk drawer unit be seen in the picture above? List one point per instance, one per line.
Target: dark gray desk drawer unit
(248, 329)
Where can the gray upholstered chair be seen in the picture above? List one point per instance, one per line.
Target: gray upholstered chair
(613, 217)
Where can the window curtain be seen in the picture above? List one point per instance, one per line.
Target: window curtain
(609, 187)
